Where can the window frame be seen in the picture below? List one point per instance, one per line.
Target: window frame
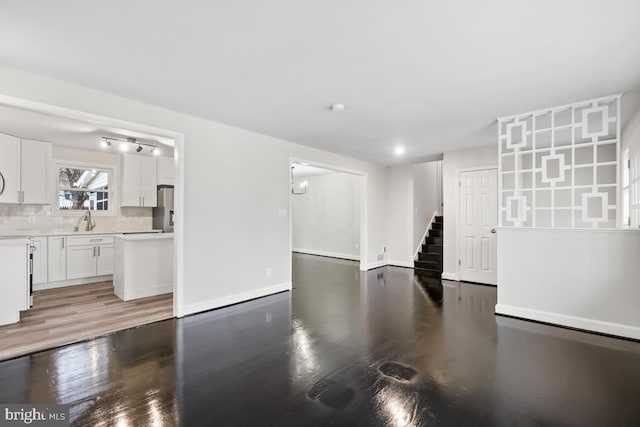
(112, 191)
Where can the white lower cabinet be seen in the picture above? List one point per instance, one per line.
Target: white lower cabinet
(40, 260)
(89, 256)
(57, 258)
(105, 260)
(72, 257)
(81, 262)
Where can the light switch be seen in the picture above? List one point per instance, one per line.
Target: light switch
(282, 213)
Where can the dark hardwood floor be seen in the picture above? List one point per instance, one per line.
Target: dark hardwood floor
(344, 348)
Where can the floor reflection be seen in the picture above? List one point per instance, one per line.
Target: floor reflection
(383, 347)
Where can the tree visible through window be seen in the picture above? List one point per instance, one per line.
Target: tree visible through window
(81, 189)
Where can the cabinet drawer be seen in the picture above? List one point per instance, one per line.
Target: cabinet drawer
(89, 240)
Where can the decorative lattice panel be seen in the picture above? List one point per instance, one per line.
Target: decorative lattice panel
(558, 167)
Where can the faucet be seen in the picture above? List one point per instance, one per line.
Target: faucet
(90, 223)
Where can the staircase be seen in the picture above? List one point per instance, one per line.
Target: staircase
(429, 262)
(428, 266)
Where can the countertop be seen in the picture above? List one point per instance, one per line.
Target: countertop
(144, 236)
(36, 233)
(14, 240)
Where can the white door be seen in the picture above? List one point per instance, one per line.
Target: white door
(9, 168)
(105, 260)
(36, 171)
(57, 255)
(81, 261)
(478, 219)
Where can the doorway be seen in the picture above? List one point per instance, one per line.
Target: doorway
(327, 212)
(477, 228)
(77, 232)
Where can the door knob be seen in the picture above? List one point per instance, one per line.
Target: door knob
(493, 230)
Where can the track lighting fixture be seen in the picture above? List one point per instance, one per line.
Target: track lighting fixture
(124, 145)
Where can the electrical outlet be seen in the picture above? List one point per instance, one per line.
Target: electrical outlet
(269, 272)
(380, 257)
(357, 245)
(282, 213)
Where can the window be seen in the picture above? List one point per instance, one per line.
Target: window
(81, 189)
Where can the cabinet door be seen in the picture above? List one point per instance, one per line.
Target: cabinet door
(57, 255)
(40, 260)
(81, 261)
(166, 171)
(35, 172)
(105, 260)
(149, 181)
(9, 168)
(130, 191)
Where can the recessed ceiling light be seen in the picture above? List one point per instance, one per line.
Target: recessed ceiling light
(399, 150)
(336, 108)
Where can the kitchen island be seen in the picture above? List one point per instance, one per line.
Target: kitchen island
(143, 265)
(14, 281)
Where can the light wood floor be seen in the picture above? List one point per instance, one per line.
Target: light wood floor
(75, 313)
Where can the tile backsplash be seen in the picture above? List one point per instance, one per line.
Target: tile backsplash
(31, 219)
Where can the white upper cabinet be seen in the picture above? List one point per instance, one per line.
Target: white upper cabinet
(130, 191)
(139, 181)
(25, 171)
(35, 172)
(9, 169)
(166, 171)
(149, 181)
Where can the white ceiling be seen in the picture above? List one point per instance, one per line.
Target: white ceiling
(430, 75)
(70, 132)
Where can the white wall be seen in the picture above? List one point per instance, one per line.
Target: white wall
(452, 162)
(585, 279)
(229, 216)
(326, 219)
(31, 219)
(412, 194)
(400, 215)
(425, 197)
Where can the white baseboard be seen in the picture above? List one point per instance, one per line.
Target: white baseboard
(401, 263)
(72, 282)
(150, 291)
(376, 264)
(609, 328)
(451, 276)
(328, 254)
(198, 307)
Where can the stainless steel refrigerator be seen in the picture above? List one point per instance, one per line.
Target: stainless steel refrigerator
(163, 214)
